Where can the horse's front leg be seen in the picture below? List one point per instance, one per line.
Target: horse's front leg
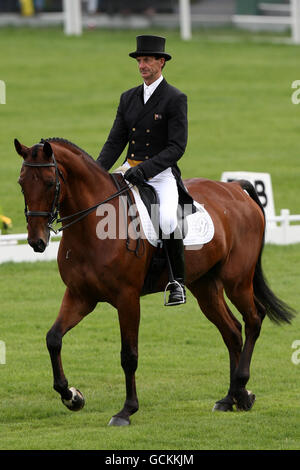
(129, 319)
(72, 310)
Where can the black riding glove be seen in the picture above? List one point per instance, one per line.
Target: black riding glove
(135, 175)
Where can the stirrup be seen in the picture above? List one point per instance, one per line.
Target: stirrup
(178, 302)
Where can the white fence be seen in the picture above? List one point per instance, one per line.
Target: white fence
(16, 249)
(283, 229)
(284, 15)
(73, 18)
(280, 230)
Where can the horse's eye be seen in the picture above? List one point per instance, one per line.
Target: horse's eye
(49, 184)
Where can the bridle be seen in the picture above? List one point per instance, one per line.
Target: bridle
(53, 214)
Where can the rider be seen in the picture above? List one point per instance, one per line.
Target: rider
(152, 119)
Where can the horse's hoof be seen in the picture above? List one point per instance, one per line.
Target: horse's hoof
(223, 405)
(247, 401)
(77, 401)
(117, 421)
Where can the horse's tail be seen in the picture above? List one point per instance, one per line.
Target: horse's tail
(266, 301)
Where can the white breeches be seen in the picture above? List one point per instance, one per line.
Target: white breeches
(166, 187)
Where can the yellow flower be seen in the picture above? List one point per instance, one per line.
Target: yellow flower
(5, 222)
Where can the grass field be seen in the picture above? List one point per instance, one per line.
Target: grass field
(183, 370)
(240, 118)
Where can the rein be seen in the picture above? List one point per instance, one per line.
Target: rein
(53, 214)
(85, 212)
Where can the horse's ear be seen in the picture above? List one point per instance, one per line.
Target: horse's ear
(21, 149)
(47, 149)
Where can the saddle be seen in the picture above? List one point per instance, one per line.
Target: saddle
(147, 193)
(158, 263)
(150, 199)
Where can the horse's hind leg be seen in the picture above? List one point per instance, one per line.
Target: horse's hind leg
(72, 310)
(241, 295)
(209, 293)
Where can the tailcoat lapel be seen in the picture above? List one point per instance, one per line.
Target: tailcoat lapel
(151, 103)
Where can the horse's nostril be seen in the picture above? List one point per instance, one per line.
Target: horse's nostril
(39, 245)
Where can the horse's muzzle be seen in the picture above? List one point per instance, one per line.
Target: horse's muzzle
(38, 245)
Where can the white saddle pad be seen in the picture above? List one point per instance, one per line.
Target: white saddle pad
(200, 227)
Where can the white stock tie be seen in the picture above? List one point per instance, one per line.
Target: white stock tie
(147, 94)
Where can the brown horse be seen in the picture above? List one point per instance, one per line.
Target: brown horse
(57, 175)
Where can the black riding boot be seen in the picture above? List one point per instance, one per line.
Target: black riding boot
(175, 250)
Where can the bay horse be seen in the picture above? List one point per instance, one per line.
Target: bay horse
(58, 176)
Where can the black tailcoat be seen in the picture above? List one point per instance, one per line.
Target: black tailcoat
(156, 132)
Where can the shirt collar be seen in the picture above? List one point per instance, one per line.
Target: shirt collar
(153, 85)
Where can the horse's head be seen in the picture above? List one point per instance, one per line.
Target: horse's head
(39, 180)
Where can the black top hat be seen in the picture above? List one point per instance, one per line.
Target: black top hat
(150, 45)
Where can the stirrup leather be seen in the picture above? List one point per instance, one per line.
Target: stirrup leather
(182, 291)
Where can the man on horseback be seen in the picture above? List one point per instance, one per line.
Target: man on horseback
(152, 120)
